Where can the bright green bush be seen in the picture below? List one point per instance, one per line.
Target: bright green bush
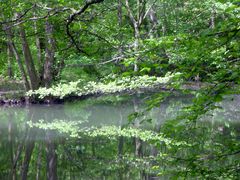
(79, 88)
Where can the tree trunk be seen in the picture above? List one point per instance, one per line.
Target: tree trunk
(136, 45)
(120, 4)
(164, 24)
(34, 79)
(10, 57)
(39, 49)
(49, 56)
(154, 23)
(136, 23)
(120, 22)
(212, 19)
(17, 56)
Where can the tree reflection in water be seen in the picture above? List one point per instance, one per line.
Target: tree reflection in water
(53, 142)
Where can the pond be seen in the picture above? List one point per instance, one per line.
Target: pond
(83, 139)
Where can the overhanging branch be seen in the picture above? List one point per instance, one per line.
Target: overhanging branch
(72, 17)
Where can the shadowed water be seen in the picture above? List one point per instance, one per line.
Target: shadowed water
(36, 141)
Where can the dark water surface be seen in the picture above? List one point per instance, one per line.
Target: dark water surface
(42, 141)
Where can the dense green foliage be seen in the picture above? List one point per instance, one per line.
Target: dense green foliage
(125, 84)
(60, 49)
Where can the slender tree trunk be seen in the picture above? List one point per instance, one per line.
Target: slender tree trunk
(120, 35)
(34, 79)
(10, 57)
(177, 14)
(136, 28)
(17, 56)
(154, 23)
(21, 67)
(136, 45)
(136, 23)
(164, 23)
(38, 45)
(120, 4)
(49, 56)
(212, 19)
(39, 49)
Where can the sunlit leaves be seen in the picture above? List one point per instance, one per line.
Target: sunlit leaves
(125, 84)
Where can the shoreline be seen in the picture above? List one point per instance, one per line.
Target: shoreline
(18, 98)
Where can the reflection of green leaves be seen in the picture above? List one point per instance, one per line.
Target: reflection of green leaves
(70, 127)
(113, 132)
